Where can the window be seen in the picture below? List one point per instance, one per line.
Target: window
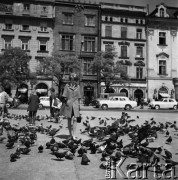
(43, 29)
(89, 20)
(139, 51)
(106, 18)
(161, 12)
(123, 32)
(7, 43)
(122, 20)
(139, 34)
(25, 45)
(111, 19)
(141, 21)
(123, 51)
(8, 26)
(67, 42)
(162, 67)
(171, 100)
(126, 20)
(26, 7)
(139, 72)
(136, 21)
(162, 38)
(108, 47)
(42, 45)
(25, 28)
(108, 31)
(123, 68)
(86, 66)
(68, 18)
(89, 44)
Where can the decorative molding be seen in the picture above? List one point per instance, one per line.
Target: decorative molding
(174, 33)
(162, 55)
(139, 63)
(150, 32)
(138, 44)
(108, 42)
(124, 43)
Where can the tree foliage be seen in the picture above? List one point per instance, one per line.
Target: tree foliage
(59, 65)
(14, 66)
(110, 72)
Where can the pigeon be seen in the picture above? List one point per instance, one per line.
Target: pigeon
(167, 133)
(25, 150)
(85, 160)
(40, 149)
(60, 154)
(169, 140)
(2, 139)
(82, 150)
(102, 166)
(13, 157)
(69, 156)
(168, 154)
(10, 145)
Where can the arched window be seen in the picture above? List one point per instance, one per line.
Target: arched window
(161, 12)
(106, 18)
(111, 19)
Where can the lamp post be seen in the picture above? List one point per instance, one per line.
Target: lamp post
(81, 62)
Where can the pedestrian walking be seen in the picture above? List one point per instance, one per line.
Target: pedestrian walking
(51, 99)
(3, 99)
(142, 103)
(33, 105)
(70, 107)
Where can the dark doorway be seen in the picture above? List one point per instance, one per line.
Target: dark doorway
(88, 95)
(41, 89)
(22, 93)
(138, 94)
(124, 91)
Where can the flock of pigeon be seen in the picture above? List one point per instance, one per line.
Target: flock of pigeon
(104, 139)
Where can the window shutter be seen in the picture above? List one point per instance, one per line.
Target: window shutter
(96, 44)
(60, 41)
(74, 42)
(82, 38)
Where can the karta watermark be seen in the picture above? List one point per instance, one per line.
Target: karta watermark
(165, 171)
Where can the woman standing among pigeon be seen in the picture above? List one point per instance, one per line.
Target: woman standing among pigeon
(70, 107)
(33, 105)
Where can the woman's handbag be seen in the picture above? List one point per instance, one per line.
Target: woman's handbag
(79, 119)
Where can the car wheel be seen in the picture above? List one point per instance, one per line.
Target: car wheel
(127, 107)
(40, 106)
(157, 107)
(104, 107)
(8, 105)
(175, 107)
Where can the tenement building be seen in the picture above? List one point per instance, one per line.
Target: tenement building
(28, 25)
(123, 27)
(162, 46)
(76, 32)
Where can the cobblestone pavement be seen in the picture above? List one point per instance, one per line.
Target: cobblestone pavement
(44, 166)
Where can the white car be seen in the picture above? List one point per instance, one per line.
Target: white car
(44, 102)
(116, 102)
(165, 103)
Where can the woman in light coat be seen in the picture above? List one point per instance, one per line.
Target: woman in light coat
(70, 107)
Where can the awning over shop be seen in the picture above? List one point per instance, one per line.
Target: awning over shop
(164, 95)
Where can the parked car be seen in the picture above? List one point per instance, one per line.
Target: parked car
(165, 103)
(44, 102)
(116, 102)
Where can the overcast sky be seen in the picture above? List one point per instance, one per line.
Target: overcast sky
(152, 3)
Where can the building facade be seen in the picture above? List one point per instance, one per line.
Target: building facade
(28, 25)
(123, 27)
(162, 46)
(76, 32)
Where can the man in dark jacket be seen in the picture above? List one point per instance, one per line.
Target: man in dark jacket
(51, 98)
(33, 105)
